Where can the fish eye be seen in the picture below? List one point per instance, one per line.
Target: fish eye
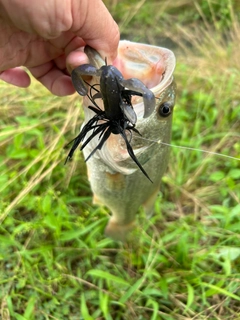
(165, 109)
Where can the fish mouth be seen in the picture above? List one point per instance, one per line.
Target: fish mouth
(152, 65)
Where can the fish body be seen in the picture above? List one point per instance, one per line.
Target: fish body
(116, 180)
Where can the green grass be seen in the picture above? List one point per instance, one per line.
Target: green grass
(183, 263)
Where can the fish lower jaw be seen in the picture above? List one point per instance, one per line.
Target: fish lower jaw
(118, 231)
(121, 164)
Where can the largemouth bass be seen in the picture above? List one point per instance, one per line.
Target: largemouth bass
(119, 180)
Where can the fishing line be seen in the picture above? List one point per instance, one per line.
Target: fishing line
(189, 148)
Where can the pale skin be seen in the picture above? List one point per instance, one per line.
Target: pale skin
(48, 37)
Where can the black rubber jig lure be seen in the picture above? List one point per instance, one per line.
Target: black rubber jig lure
(118, 115)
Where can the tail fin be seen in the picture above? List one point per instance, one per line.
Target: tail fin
(117, 231)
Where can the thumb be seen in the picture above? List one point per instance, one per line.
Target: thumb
(98, 29)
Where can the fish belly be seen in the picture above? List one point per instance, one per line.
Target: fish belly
(124, 194)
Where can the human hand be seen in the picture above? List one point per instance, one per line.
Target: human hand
(48, 37)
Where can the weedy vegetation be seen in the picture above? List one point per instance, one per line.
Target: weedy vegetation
(184, 261)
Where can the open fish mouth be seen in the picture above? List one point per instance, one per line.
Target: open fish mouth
(152, 65)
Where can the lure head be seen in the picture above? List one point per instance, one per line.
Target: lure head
(110, 89)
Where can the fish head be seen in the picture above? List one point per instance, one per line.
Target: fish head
(154, 66)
